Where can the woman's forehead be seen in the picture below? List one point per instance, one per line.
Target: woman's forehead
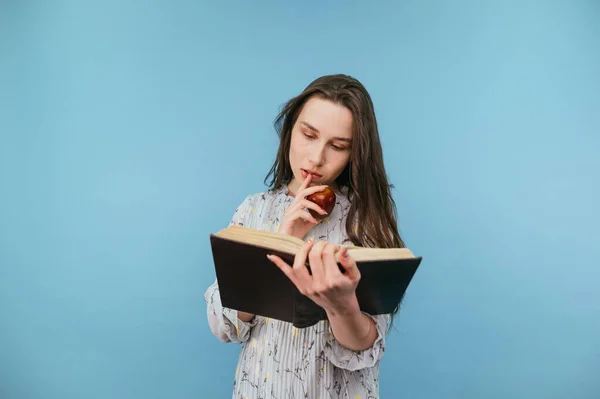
(327, 118)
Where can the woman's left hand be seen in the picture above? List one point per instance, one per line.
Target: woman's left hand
(328, 287)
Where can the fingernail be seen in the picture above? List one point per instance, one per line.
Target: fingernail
(344, 252)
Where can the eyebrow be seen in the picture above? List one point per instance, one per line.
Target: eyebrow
(311, 127)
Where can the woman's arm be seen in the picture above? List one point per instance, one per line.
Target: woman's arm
(353, 329)
(332, 290)
(350, 359)
(228, 324)
(245, 317)
(225, 323)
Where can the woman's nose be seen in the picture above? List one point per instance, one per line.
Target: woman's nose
(317, 156)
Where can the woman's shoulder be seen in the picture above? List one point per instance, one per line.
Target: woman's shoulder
(267, 195)
(266, 198)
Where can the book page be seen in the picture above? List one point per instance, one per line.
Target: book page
(268, 239)
(367, 254)
(292, 245)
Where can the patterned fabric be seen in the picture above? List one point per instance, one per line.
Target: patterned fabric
(278, 360)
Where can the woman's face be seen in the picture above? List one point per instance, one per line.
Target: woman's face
(320, 143)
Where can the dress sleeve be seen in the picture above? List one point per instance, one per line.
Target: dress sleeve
(352, 360)
(224, 322)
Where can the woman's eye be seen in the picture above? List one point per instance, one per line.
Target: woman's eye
(312, 137)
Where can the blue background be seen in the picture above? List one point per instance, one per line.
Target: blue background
(130, 130)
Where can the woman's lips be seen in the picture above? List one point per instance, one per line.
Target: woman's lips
(306, 172)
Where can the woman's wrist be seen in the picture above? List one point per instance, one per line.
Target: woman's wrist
(245, 317)
(349, 308)
(354, 331)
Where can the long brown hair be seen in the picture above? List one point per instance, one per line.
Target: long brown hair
(372, 218)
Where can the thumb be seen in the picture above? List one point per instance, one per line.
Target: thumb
(349, 264)
(307, 226)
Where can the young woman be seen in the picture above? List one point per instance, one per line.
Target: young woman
(328, 137)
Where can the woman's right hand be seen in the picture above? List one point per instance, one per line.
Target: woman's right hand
(297, 221)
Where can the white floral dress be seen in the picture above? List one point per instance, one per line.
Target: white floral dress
(278, 360)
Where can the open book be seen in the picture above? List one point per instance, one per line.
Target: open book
(249, 282)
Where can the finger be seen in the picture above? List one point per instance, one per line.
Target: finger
(285, 268)
(300, 258)
(305, 183)
(300, 269)
(311, 205)
(349, 265)
(316, 261)
(304, 215)
(330, 265)
(311, 190)
(303, 203)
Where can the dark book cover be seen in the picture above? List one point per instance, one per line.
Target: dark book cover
(249, 282)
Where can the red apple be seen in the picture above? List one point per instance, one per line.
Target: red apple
(325, 199)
